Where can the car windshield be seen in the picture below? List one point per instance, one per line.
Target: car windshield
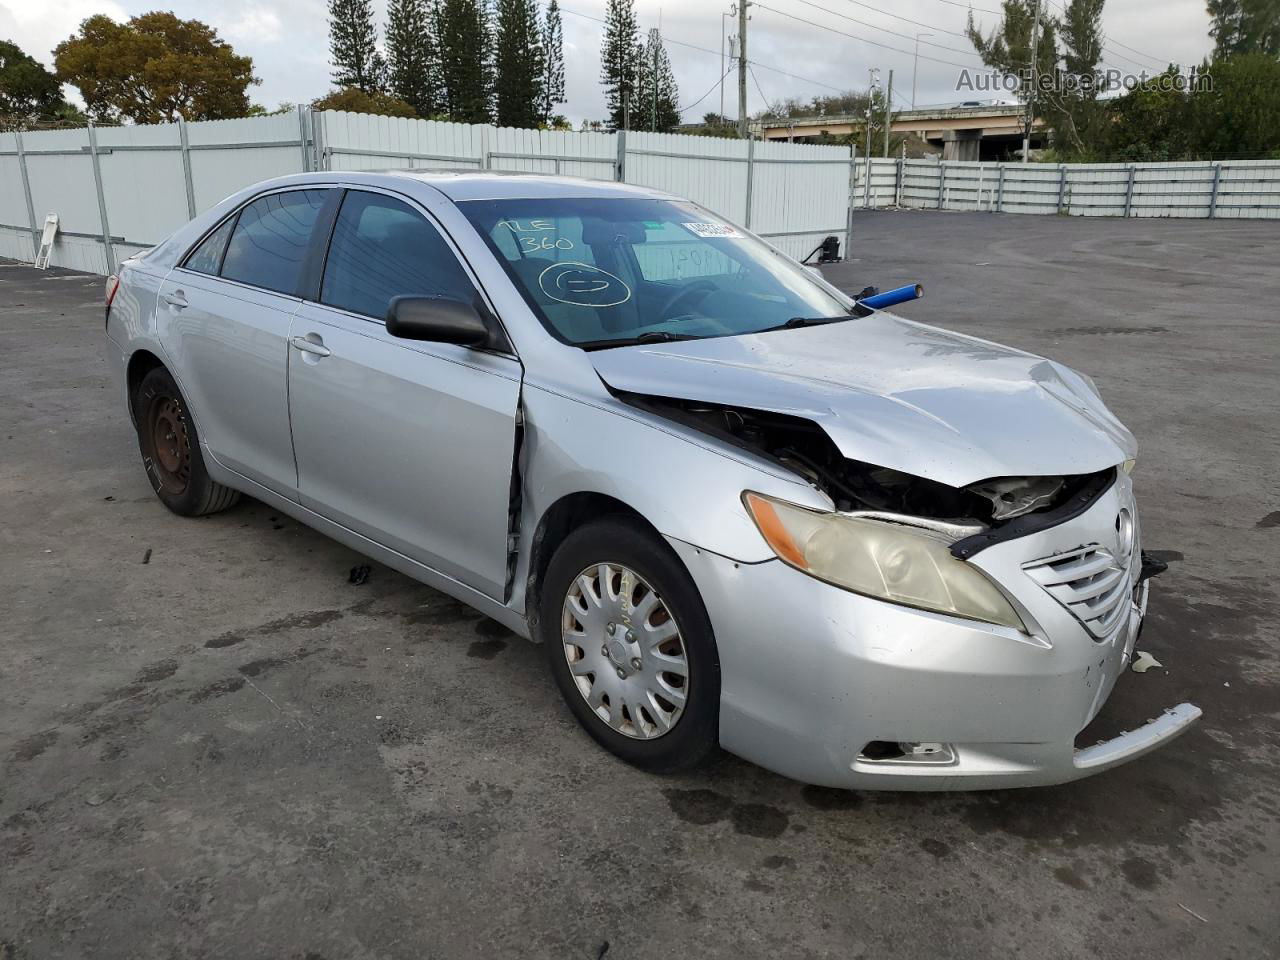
(608, 272)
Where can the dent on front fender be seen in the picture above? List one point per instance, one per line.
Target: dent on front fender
(680, 482)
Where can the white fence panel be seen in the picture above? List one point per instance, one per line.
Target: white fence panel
(229, 155)
(60, 174)
(15, 217)
(143, 183)
(362, 141)
(799, 194)
(1249, 189)
(559, 152)
(708, 171)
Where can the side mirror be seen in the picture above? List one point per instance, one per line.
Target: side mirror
(440, 320)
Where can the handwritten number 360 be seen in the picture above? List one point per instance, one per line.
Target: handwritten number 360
(546, 243)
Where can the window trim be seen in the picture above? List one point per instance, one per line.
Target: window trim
(235, 216)
(416, 206)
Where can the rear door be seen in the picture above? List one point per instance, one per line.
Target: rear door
(224, 319)
(407, 443)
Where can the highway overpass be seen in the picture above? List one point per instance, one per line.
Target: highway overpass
(962, 133)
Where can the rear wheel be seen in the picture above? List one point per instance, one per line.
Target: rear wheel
(631, 647)
(170, 449)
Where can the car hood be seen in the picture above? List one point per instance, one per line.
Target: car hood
(897, 394)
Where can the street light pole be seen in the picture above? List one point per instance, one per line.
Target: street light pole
(723, 31)
(915, 67)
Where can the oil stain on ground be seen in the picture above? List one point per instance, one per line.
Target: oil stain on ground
(704, 807)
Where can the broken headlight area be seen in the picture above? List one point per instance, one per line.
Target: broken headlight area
(804, 448)
(878, 557)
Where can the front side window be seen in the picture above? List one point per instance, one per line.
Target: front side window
(270, 240)
(207, 258)
(383, 248)
(604, 272)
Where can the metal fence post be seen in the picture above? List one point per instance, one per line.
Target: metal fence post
(107, 250)
(897, 182)
(321, 159)
(942, 180)
(1213, 197)
(484, 147)
(26, 191)
(866, 181)
(1128, 193)
(1000, 191)
(751, 173)
(1062, 184)
(620, 165)
(853, 190)
(185, 146)
(303, 138)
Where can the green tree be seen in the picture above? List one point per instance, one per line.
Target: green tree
(466, 60)
(1008, 47)
(1236, 113)
(620, 61)
(553, 64)
(355, 100)
(153, 69)
(27, 90)
(657, 106)
(1150, 123)
(520, 64)
(353, 45)
(1073, 109)
(413, 56)
(1245, 26)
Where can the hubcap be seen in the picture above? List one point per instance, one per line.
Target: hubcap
(624, 651)
(170, 443)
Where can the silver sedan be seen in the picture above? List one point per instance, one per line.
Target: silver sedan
(736, 507)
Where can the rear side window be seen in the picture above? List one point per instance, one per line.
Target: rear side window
(270, 240)
(383, 248)
(207, 258)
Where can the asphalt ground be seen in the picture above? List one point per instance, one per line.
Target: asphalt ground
(213, 745)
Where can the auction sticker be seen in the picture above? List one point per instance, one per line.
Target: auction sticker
(713, 231)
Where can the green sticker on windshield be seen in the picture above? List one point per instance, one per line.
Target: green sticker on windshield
(653, 224)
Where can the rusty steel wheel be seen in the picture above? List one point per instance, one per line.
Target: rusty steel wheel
(170, 444)
(170, 448)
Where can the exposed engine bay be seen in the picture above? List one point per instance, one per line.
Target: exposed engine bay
(803, 447)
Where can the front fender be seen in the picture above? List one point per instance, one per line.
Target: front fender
(687, 485)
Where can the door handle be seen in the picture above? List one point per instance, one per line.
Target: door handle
(314, 347)
(177, 299)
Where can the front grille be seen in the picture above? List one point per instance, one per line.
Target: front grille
(1090, 582)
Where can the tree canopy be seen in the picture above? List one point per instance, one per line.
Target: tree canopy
(657, 106)
(355, 100)
(353, 45)
(520, 64)
(1245, 26)
(27, 90)
(620, 60)
(466, 65)
(154, 69)
(413, 55)
(553, 65)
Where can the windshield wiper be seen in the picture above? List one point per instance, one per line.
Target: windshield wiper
(650, 336)
(804, 322)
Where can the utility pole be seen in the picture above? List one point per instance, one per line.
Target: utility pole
(654, 40)
(1031, 95)
(724, 29)
(888, 109)
(915, 67)
(742, 67)
(874, 74)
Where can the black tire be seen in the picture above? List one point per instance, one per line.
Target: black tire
(170, 449)
(694, 735)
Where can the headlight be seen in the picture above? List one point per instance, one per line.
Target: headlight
(876, 558)
(1128, 466)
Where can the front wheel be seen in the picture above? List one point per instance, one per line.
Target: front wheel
(631, 647)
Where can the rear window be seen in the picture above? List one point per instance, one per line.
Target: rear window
(207, 258)
(270, 240)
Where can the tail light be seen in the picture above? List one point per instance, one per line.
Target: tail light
(113, 284)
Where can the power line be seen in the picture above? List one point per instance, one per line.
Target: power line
(759, 89)
(907, 36)
(714, 87)
(716, 54)
(874, 43)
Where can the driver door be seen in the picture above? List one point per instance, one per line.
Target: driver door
(407, 443)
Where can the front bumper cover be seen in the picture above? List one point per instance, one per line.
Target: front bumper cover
(811, 674)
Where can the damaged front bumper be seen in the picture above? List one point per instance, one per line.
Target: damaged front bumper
(833, 688)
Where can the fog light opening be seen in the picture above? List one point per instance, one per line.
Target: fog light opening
(907, 751)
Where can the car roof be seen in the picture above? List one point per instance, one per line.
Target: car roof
(462, 185)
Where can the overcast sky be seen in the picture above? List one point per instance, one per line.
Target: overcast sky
(288, 41)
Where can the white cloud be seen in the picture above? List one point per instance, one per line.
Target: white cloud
(39, 27)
